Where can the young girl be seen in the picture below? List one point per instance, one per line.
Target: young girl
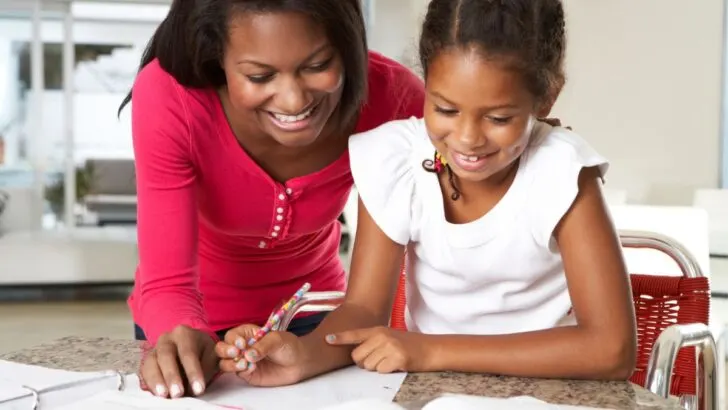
(514, 265)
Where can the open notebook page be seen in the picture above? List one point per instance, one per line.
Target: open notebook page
(15, 375)
(341, 386)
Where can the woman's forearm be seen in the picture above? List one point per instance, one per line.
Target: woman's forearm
(323, 357)
(565, 352)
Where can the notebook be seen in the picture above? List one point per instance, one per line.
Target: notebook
(25, 387)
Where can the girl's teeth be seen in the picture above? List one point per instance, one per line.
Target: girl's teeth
(292, 118)
(471, 158)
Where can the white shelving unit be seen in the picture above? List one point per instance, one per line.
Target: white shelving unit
(66, 254)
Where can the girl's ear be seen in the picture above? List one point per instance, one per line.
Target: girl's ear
(544, 107)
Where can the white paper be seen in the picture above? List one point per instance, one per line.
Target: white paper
(15, 375)
(338, 387)
(115, 400)
(365, 404)
(463, 402)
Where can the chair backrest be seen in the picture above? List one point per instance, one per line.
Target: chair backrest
(400, 301)
(662, 301)
(659, 301)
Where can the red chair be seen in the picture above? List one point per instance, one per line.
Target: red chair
(672, 324)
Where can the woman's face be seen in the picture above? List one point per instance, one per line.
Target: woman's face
(283, 73)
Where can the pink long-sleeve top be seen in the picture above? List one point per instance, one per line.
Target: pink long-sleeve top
(221, 243)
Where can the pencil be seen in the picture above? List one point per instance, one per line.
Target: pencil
(276, 317)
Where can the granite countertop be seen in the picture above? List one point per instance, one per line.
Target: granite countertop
(94, 354)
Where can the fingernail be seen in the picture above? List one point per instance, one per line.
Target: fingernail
(197, 388)
(241, 365)
(175, 390)
(252, 354)
(240, 344)
(160, 390)
(331, 338)
(232, 352)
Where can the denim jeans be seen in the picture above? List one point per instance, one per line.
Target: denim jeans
(299, 327)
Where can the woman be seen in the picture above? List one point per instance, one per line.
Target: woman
(241, 115)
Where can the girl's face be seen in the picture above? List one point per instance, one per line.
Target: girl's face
(283, 75)
(479, 114)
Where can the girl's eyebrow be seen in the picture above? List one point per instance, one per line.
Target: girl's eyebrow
(489, 108)
(440, 97)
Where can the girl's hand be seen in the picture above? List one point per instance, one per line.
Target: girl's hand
(277, 359)
(385, 350)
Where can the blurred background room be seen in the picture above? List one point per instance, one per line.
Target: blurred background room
(645, 85)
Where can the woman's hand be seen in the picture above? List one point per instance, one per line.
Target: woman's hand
(385, 350)
(182, 362)
(277, 359)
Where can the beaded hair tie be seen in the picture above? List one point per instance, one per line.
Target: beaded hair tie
(438, 164)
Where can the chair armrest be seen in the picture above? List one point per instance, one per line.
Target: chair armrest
(311, 302)
(664, 354)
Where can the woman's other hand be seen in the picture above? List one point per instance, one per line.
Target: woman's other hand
(182, 362)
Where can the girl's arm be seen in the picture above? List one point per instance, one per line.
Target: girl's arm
(375, 268)
(601, 346)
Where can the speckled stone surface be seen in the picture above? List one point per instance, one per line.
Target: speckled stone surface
(91, 354)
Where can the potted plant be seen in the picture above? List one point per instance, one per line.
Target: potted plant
(55, 192)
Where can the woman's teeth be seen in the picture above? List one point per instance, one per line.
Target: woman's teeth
(293, 118)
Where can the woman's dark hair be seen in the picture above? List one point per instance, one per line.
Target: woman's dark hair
(190, 41)
(527, 35)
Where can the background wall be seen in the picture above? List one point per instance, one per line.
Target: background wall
(644, 83)
(645, 88)
(395, 27)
